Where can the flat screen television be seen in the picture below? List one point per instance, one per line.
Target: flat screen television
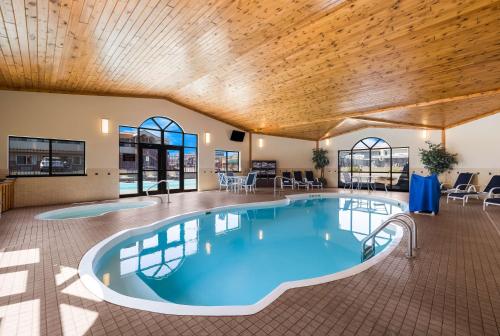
(237, 136)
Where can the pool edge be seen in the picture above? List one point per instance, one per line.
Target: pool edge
(97, 288)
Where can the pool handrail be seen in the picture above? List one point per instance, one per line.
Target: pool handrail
(154, 185)
(276, 178)
(401, 219)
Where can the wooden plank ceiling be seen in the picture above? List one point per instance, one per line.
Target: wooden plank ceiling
(302, 68)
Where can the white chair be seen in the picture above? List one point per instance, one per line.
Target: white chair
(223, 181)
(250, 182)
(348, 180)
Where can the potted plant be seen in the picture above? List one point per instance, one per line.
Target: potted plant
(436, 159)
(320, 161)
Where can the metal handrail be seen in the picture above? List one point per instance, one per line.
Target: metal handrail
(153, 185)
(402, 219)
(277, 177)
(411, 222)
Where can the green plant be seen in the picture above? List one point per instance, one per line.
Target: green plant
(436, 159)
(320, 161)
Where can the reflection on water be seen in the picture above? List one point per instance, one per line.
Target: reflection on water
(245, 252)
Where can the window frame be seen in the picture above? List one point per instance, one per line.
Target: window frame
(50, 173)
(369, 149)
(140, 146)
(226, 156)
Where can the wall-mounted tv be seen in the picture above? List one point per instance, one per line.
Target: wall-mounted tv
(237, 136)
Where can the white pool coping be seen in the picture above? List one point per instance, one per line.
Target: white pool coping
(92, 283)
(78, 207)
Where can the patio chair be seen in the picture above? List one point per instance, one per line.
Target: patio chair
(223, 181)
(493, 197)
(287, 180)
(348, 181)
(471, 192)
(461, 184)
(313, 182)
(299, 180)
(250, 182)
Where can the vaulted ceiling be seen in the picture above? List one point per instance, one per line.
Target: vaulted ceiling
(302, 68)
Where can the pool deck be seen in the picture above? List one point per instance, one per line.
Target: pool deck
(452, 287)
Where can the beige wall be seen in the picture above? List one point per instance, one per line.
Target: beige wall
(78, 117)
(290, 154)
(477, 144)
(394, 136)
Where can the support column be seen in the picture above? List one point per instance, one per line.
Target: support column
(249, 151)
(443, 137)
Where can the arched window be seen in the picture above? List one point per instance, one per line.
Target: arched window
(157, 150)
(372, 162)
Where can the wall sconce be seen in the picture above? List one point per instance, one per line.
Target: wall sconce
(327, 236)
(104, 126)
(261, 234)
(208, 248)
(424, 134)
(327, 142)
(261, 142)
(207, 138)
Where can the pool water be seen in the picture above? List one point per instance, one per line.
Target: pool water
(91, 210)
(238, 256)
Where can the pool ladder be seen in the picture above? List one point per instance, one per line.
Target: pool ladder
(276, 188)
(158, 196)
(368, 251)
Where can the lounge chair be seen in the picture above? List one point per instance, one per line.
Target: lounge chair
(461, 184)
(313, 182)
(249, 183)
(493, 197)
(287, 180)
(403, 180)
(472, 193)
(299, 180)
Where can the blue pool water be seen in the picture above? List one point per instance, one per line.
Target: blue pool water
(91, 210)
(238, 256)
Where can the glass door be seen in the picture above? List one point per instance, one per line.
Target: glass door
(150, 164)
(173, 169)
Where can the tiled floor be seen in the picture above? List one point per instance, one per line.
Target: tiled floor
(452, 287)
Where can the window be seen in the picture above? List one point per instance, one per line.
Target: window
(227, 161)
(373, 157)
(157, 150)
(45, 157)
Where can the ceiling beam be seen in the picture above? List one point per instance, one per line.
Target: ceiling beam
(396, 107)
(399, 123)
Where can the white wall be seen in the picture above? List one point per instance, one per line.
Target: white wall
(478, 146)
(395, 137)
(289, 153)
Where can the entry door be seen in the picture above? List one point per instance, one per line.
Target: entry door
(173, 169)
(151, 168)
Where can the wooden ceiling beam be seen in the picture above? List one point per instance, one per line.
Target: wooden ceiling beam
(399, 107)
(399, 123)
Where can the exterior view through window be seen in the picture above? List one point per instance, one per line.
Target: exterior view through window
(227, 161)
(157, 150)
(45, 157)
(373, 159)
